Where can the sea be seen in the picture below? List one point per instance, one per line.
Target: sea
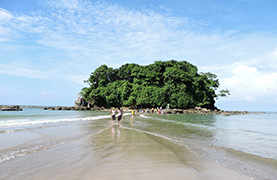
(245, 143)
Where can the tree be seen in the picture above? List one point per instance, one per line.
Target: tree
(223, 93)
(164, 82)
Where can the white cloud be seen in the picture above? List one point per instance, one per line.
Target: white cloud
(248, 98)
(45, 93)
(250, 80)
(247, 83)
(3, 39)
(110, 32)
(15, 70)
(101, 31)
(5, 15)
(275, 53)
(78, 79)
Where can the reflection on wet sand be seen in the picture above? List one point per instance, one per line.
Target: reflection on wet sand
(132, 122)
(129, 154)
(115, 129)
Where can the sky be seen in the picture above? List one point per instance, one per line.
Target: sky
(49, 47)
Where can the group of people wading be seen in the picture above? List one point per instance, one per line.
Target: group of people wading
(119, 114)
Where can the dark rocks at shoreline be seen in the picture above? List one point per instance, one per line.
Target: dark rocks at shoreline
(10, 108)
(192, 111)
(205, 111)
(61, 108)
(68, 108)
(229, 113)
(74, 108)
(196, 110)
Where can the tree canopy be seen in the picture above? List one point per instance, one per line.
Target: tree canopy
(165, 82)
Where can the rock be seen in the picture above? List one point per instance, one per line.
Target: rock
(58, 108)
(185, 111)
(168, 112)
(205, 110)
(197, 108)
(10, 108)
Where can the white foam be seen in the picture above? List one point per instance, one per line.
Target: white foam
(32, 122)
(28, 122)
(143, 116)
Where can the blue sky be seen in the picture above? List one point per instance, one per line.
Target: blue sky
(48, 48)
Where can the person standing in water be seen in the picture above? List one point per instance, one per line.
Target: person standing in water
(133, 113)
(113, 114)
(120, 114)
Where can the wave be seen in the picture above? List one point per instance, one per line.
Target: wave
(28, 122)
(23, 152)
(32, 122)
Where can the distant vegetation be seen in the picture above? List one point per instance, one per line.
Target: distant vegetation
(165, 82)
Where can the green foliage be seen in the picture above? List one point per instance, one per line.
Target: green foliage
(165, 82)
(223, 93)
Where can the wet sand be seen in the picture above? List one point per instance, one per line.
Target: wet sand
(116, 153)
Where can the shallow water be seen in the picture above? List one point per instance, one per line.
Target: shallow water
(245, 143)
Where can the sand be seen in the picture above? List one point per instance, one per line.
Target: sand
(116, 153)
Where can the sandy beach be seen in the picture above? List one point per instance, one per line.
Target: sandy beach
(114, 153)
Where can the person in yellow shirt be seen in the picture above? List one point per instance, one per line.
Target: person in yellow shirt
(133, 113)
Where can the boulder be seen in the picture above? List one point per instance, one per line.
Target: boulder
(10, 108)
